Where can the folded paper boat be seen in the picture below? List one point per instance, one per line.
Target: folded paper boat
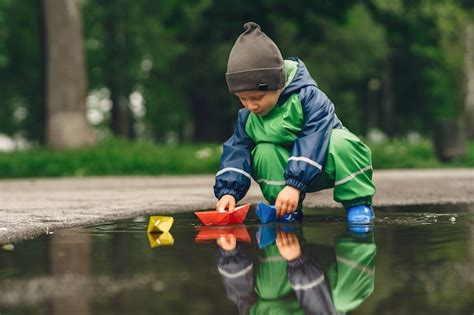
(207, 233)
(266, 213)
(158, 224)
(237, 216)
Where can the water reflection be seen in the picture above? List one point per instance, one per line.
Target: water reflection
(424, 266)
(68, 261)
(295, 277)
(160, 239)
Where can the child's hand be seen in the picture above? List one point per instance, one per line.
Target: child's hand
(227, 242)
(288, 245)
(287, 200)
(226, 202)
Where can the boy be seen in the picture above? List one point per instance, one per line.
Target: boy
(288, 137)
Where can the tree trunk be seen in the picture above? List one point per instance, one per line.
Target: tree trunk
(66, 78)
(43, 110)
(449, 139)
(388, 115)
(121, 120)
(469, 66)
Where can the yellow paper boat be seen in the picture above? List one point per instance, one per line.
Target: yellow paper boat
(159, 224)
(160, 239)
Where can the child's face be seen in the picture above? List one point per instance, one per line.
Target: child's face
(259, 102)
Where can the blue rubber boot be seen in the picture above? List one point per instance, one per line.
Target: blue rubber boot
(360, 214)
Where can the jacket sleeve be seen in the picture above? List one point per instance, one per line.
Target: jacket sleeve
(310, 287)
(310, 149)
(234, 176)
(236, 270)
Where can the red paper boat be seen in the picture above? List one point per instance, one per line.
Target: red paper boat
(237, 216)
(207, 233)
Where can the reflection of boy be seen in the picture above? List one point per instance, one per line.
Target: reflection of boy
(288, 137)
(287, 282)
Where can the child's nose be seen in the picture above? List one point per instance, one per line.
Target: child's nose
(252, 106)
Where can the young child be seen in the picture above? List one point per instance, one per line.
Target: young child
(288, 137)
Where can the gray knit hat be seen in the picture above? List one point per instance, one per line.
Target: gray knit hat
(255, 62)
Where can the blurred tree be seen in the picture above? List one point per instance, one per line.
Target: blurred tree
(22, 107)
(66, 76)
(394, 65)
(131, 49)
(3, 63)
(425, 61)
(3, 27)
(469, 101)
(426, 68)
(117, 50)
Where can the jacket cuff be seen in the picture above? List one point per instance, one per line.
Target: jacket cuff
(295, 263)
(228, 191)
(297, 184)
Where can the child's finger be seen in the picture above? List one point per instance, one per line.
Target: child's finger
(231, 206)
(278, 208)
(221, 206)
(291, 207)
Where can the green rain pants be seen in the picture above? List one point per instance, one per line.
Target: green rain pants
(348, 170)
(273, 286)
(351, 272)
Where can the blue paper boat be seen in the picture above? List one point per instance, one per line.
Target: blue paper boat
(266, 213)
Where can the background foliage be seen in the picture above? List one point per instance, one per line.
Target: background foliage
(394, 66)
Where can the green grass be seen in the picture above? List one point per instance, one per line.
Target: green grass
(112, 158)
(119, 157)
(401, 154)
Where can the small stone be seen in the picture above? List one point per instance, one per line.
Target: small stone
(8, 247)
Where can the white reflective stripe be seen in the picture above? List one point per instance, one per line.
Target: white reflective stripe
(309, 285)
(233, 169)
(305, 159)
(272, 182)
(271, 259)
(350, 177)
(355, 265)
(237, 274)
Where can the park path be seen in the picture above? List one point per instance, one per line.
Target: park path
(29, 207)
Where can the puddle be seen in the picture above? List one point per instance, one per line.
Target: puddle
(416, 260)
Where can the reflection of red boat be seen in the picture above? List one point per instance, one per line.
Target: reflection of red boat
(207, 233)
(237, 216)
